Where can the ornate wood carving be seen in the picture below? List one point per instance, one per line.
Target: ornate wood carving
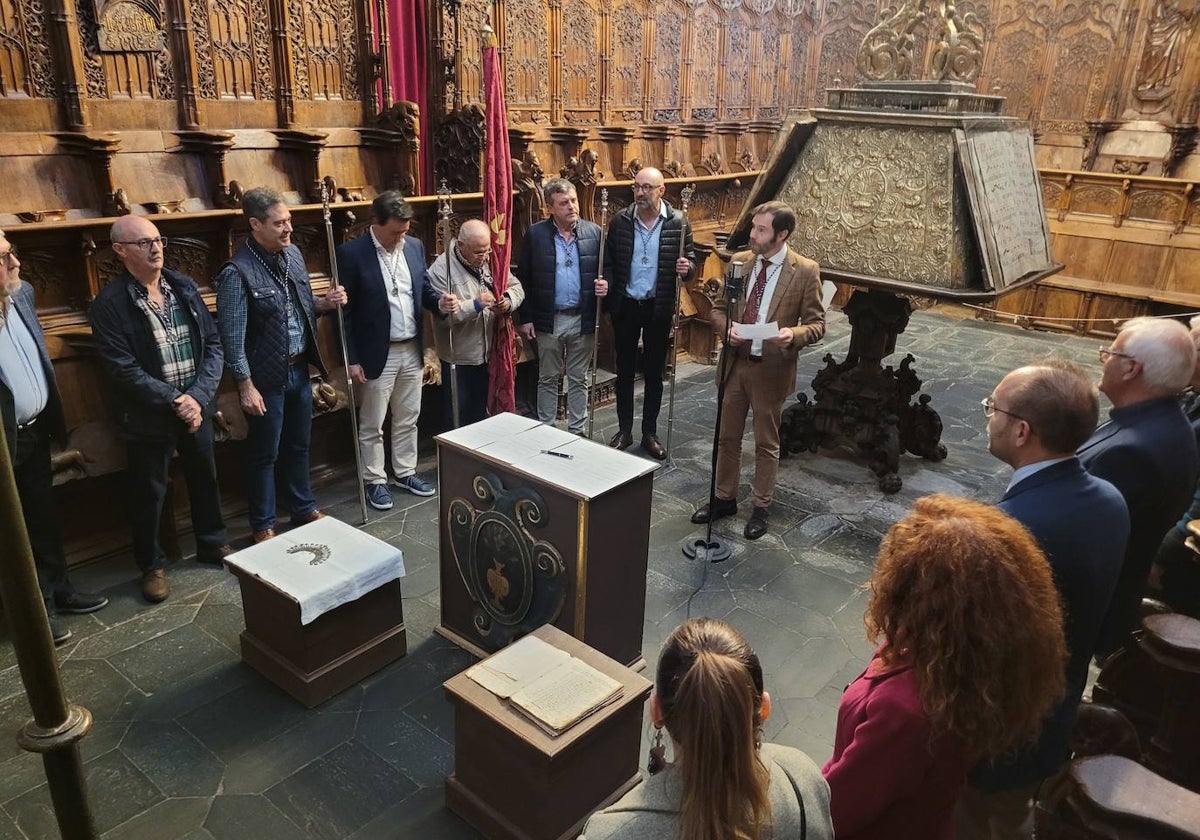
(306, 147)
(24, 50)
(581, 45)
(457, 147)
(239, 37)
(839, 35)
(99, 150)
(1164, 48)
(665, 67)
(324, 49)
(625, 70)
(1077, 81)
(527, 67)
(704, 56)
(737, 66)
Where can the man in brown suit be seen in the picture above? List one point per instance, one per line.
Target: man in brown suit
(783, 288)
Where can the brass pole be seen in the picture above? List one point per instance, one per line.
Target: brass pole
(56, 726)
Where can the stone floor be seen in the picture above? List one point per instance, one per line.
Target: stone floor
(190, 743)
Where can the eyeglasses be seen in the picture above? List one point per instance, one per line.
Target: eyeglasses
(990, 408)
(145, 244)
(9, 255)
(1108, 352)
(644, 187)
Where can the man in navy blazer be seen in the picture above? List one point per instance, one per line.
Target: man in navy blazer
(1147, 450)
(1037, 417)
(32, 412)
(383, 272)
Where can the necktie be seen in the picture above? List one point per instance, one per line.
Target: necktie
(754, 302)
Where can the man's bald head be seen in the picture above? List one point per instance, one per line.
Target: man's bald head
(136, 241)
(651, 174)
(475, 242)
(1057, 399)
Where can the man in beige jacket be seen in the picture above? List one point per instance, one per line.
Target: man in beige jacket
(465, 323)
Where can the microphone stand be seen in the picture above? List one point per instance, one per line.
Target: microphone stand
(334, 279)
(710, 548)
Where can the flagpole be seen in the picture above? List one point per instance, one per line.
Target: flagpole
(333, 278)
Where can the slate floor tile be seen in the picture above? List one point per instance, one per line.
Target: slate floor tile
(250, 818)
(178, 818)
(340, 792)
(243, 720)
(412, 749)
(269, 763)
(164, 660)
(177, 762)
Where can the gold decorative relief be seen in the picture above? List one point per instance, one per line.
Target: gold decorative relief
(877, 201)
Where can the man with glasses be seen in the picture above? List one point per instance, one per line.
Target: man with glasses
(267, 313)
(384, 274)
(33, 416)
(645, 263)
(161, 351)
(1036, 418)
(467, 312)
(1146, 449)
(559, 270)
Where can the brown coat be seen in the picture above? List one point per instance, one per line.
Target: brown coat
(796, 303)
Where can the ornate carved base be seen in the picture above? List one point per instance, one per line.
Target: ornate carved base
(861, 403)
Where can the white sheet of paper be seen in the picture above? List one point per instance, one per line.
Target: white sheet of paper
(494, 428)
(750, 332)
(591, 470)
(523, 445)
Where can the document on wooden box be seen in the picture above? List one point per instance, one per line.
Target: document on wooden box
(565, 696)
(517, 666)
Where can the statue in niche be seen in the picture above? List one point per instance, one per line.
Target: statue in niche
(1163, 52)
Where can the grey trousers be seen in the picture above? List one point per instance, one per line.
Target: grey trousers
(567, 339)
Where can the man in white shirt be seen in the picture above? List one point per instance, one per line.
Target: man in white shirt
(383, 271)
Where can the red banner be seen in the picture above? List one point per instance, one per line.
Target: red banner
(497, 212)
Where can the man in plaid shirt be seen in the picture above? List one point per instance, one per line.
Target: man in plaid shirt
(162, 353)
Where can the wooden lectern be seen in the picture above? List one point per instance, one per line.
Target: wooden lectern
(512, 781)
(541, 526)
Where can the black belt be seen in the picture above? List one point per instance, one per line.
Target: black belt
(22, 427)
(294, 360)
(641, 301)
(402, 340)
(574, 310)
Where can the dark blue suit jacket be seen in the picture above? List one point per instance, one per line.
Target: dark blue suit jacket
(21, 305)
(1148, 451)
(367, 314)
(1081, 524)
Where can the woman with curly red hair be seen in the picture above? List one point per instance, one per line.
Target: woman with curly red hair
(970, 660)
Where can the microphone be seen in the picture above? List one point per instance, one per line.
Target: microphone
(734, 283)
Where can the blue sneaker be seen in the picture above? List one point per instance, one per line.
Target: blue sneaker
(416, 485)
(379, 497)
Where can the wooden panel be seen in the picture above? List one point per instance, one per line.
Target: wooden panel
(1134, 264)
(1082, 256)
(668, 57)
(625, 69)
(1182, 272)
(705, 52)
(581, 45)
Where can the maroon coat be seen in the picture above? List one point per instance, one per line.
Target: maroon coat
(886, 781)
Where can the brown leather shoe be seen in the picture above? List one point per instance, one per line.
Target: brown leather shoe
(154, 586)
(305, 518)
(653, 448)
(263, 536)
(213, 554)
(621, 440)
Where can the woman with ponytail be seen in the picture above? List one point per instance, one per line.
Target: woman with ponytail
(970, 661)
(724, 783)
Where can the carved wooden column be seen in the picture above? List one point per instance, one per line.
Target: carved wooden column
(63, 34)
(183, 50)
(556, 62)
(1092, 140)
(281, 52)
(372, 59)
(729, 138)
(99, 150)
(697, 134)
(648, 69)
(617, 137)
(658, 137)
(763, 133)
(1183, 143)
(606, 48)
(305, 146)
(386, 94)
(685, 66)
(211, 147)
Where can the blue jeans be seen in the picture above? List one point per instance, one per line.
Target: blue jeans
(277, 444)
